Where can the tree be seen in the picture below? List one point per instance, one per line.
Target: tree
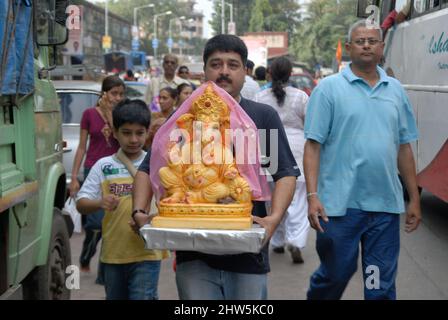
(316, 39)
(259, 15)
(242, 11)
(261, 9)
(285, 16)
(125, 9)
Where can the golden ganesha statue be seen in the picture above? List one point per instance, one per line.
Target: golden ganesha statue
(203, 186)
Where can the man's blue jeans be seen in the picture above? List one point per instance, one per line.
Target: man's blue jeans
(338, 249)
(132, 281)
(197, 281)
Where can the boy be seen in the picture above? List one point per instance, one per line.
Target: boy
(130, 271)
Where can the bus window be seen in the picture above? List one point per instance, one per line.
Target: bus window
(403, 8)
(424, 6)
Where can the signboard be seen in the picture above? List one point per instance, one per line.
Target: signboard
(107, 42)
(75, 43)
(231, 28)
(155, 43)
(134, 32)
(135, 44)
(276, 42)
(257, 49)
(169, 43)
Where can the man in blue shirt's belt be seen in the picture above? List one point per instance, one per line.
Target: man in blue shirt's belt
(359, 126)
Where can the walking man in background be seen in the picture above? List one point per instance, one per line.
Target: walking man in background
(168, 79)
(359, 126)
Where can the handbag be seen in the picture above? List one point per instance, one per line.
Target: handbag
(70, 208)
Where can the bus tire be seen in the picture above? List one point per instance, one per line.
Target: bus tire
(48, 282)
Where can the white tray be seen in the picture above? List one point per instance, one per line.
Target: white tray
(204, 240)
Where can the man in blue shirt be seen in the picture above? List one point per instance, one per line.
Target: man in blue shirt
(359, 126)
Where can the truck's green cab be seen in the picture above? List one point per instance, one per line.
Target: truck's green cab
(34, 236)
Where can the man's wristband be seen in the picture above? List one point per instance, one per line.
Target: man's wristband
(310, 194)
(136, 211)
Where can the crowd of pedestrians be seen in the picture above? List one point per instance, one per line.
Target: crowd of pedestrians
(339, 156)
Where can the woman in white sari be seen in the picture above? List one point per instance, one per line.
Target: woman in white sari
(290, 103)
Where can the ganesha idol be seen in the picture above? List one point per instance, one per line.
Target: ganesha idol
(196, 178)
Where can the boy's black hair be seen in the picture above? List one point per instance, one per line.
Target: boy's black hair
(131, 111)
(225, 43)
(260, 73)
(250, 64)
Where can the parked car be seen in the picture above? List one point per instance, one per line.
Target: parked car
(303, 82)
(135, 89)
(75, 97)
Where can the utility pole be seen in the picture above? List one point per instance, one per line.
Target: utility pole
(223, 27)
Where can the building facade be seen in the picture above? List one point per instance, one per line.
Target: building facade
(85, 46)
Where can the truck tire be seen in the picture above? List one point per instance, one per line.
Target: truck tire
(48, 282)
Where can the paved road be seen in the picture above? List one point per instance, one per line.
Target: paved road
(422, 266)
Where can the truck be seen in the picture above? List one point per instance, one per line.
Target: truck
(34, 234)
(416, 53)
(117, 62)
(140, 62)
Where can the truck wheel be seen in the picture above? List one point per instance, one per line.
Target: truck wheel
(48, 282)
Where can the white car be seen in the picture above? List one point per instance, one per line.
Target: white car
(75, 97)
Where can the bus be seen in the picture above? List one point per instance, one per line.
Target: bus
(416, 53)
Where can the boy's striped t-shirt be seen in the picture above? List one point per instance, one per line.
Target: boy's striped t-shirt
(120, 243)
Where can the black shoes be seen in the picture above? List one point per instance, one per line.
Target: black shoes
(279, 249)
(296, 255)
(295, 252)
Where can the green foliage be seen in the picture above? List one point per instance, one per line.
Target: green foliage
(317, 37)
(242, 11)
(259, 15)
(261, 9)
(145, 18)
(285, 16)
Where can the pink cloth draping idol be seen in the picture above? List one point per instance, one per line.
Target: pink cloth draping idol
(239, 120)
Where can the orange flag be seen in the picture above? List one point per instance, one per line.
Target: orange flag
(339, 52)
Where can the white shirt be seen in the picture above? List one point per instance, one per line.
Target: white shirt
(292, 115)
(156, 84)
(250, 88)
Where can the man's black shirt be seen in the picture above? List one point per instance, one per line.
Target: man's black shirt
(264, 117)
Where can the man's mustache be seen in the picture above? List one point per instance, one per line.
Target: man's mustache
(224, 78)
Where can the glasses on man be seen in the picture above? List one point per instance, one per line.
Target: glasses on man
(169, 62)
(361, 41)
